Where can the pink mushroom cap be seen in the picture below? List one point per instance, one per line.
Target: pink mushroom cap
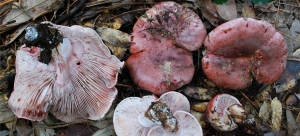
(162, 38)
(78, 82)
(161, 70)
(241, 50)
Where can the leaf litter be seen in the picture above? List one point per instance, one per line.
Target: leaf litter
(266, 103)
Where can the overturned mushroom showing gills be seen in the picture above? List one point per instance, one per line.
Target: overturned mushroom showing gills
(188, 123)
(150, 115)
(241, 50)
(160, 45)
(77, 83)
(224, 111)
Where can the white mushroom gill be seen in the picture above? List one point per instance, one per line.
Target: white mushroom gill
(130, 116)
(78, 82)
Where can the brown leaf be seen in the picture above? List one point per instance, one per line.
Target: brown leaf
(295, 32)
(200, 107)
(264, 111)
(31, 9)
(290, 76)
(5, 112)
(227, 10)
(114, 37)
(209, 11)
(276, 114)
(198, 92)
(248, 12)
(293, 129)
(13, 36)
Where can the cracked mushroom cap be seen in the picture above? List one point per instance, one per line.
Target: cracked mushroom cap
(129, 116)
(241, 50)
(224, 111)
(160, 45)
(188, 126)
(77, 83)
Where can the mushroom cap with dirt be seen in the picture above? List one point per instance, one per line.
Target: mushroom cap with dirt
(244, 49)
(160, 45)
(135, 116)
(77, 83)
(224, 112)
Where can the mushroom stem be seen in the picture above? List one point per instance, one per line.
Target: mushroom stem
(145, 121)
(159, 113)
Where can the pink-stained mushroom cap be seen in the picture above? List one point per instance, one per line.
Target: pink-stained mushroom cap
(161, 41)
(33, 87)
(241, 50)
(77, 83)
(168, 21)
(224, 111)
(130, 118)
(161, 70)
(188, 126)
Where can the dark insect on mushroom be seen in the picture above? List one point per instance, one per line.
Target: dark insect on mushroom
(74, 80)
(44, 37)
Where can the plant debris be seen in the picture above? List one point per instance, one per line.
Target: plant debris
(271, 109)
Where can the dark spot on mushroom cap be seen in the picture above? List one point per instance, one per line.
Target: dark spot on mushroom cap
(227, 30)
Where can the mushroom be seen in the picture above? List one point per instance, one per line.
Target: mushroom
(189, 126)
(78, 82)
(224, 111)
(160, 45)
(242, 50)
(150, 115)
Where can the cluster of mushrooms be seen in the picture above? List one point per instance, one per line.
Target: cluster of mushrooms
(73, 75)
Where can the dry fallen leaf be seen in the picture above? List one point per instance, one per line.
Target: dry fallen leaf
(201, 118)
(227, 10)
(289, 77)
(12, 37)
(276, 114)
(293, 129)
(45, 131)
(248, 12)
(23, 127)
(105, 125)
(200, 107)
(295, 32)
(30, 9)
(264, 94)
(264, 111)
(116, 40)
(209, 11)
(114, 37)
(5, 112)
(198, 92)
